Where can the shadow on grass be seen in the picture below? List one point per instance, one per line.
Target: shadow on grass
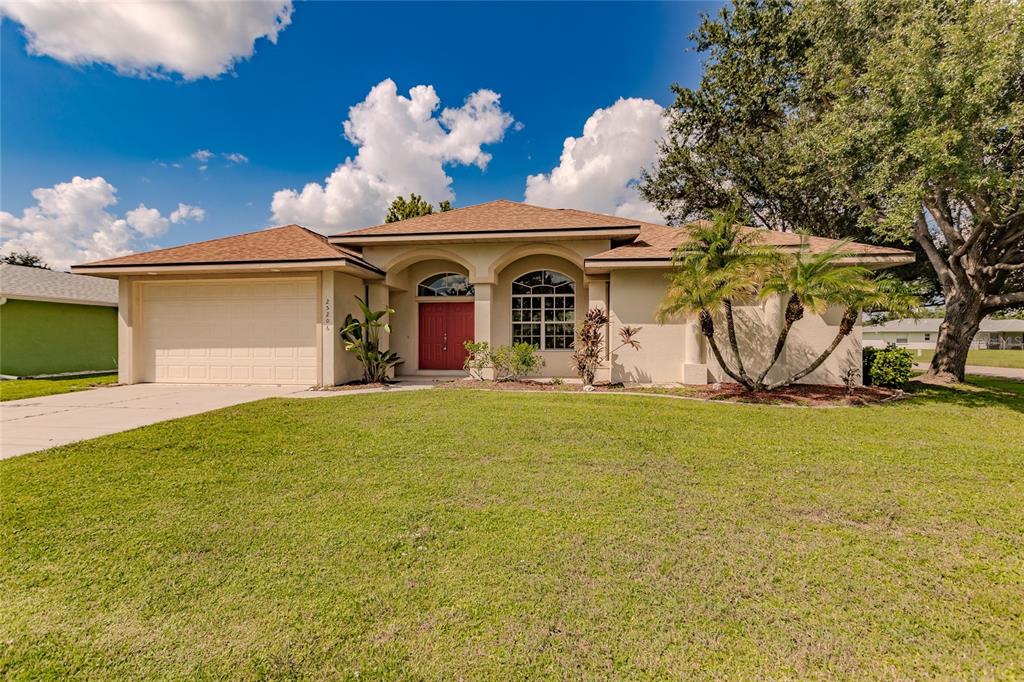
(977, 391)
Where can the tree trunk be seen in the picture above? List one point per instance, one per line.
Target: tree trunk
(734, 343)
(974, 271)
(794, 313)
(707, 328)
(845, 329)
(963, 318)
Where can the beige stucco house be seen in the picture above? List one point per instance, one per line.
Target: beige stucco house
(267, 306)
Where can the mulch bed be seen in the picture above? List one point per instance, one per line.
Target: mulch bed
(352, 385)
(800, 394)
(809, 395)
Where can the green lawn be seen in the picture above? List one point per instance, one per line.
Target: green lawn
(981, 357)
(33, 388)
(466, 534)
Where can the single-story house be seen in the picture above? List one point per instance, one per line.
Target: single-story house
(55, 322)
(921, 334)
(267, 306)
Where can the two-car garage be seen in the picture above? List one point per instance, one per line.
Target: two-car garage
(228, 331)
(257, 308)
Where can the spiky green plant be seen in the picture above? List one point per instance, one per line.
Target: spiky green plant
(362, 338)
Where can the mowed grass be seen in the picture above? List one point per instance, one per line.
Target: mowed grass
(492, 535)
(981, 357)
(17, 389)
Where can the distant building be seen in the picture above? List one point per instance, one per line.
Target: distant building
(994, 334)
(55, 322)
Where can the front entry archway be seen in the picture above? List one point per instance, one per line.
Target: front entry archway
(444, 329)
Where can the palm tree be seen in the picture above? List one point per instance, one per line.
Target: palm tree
(724, 265)
(729, 262)
(814, 282)
(879, 293)
(696, 289)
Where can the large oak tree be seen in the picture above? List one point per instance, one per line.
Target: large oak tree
(882, 120)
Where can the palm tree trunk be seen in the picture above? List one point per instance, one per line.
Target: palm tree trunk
(845, 327)
(730, 325)
(794, 312)
(707, 327)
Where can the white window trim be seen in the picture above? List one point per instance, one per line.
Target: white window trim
(443, 298)
(542, 323)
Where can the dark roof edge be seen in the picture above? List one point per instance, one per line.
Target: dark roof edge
(341, 257)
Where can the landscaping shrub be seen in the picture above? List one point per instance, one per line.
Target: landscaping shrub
(890, 366)
(510, 363)
(588, 348)
(868, 357)
(478, 358)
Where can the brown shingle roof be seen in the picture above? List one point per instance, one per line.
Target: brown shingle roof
(657, 242)
(287, 243)
(494, 216)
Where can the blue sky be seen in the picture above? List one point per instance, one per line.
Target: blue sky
(553, 66)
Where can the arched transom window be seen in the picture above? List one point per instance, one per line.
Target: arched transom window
(544, 310)
(445, 284)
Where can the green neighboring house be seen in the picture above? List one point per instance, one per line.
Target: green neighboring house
(55, 322)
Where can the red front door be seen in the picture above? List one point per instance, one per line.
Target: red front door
(444, 329)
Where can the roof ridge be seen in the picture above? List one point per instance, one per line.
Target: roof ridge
(428, 215)
(210, 241)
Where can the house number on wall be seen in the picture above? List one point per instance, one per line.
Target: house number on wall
(327, 311)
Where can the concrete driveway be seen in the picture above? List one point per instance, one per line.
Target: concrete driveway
(38, 423)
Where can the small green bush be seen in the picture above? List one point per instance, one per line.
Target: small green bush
(868, 355)
(478, 358)
(890, 366)
(510, 363)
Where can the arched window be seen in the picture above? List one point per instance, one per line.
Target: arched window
(544, 310)
(445, 284)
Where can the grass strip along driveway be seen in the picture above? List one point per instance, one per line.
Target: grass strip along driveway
(466, 534)
(33, 388)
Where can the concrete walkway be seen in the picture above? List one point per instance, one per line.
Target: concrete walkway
(1004, 372)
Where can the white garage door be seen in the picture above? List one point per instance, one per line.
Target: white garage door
(259, 331)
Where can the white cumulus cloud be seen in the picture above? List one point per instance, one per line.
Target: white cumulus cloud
(203, 156)
(598, 170)
(71, 223)
(236, 158)
(194, 38)
(404, 145)
(187, 212)
(147, 221)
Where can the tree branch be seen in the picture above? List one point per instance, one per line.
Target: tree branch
(1003, 300)
(991, 269)
(924, 239)
(938, 207)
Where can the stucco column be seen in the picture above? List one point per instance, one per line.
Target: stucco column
(482, 297)
(125, 331)
(695, 370)
(597, 297)
(379, 298)
(328, 328)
